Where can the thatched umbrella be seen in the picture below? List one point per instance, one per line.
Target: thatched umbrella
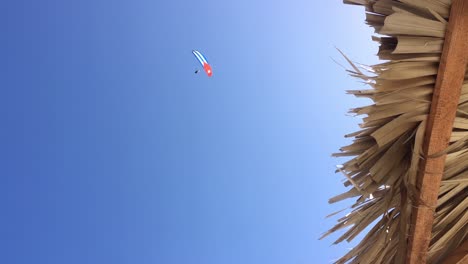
(409, 166)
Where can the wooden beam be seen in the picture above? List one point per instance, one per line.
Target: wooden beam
(438, 131)
(459, 255)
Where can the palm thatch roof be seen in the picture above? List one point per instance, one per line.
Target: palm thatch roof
(388, 170)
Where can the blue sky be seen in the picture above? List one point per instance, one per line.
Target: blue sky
(114, 151)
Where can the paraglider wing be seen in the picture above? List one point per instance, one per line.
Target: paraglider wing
(206, 66)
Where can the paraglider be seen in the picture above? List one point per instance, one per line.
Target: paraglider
(206, 66)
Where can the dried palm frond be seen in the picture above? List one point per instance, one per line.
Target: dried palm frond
(387, 150)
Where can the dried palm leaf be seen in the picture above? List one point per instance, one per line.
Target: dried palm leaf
(386, 152)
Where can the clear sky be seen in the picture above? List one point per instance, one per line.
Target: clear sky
(114, 151)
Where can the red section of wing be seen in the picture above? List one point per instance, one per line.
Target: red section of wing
(208, 69)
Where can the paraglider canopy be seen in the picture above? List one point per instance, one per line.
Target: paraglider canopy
(206, 66)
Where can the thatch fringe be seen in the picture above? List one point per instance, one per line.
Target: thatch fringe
(386, 151)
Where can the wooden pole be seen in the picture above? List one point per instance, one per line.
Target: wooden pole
(439, 129)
